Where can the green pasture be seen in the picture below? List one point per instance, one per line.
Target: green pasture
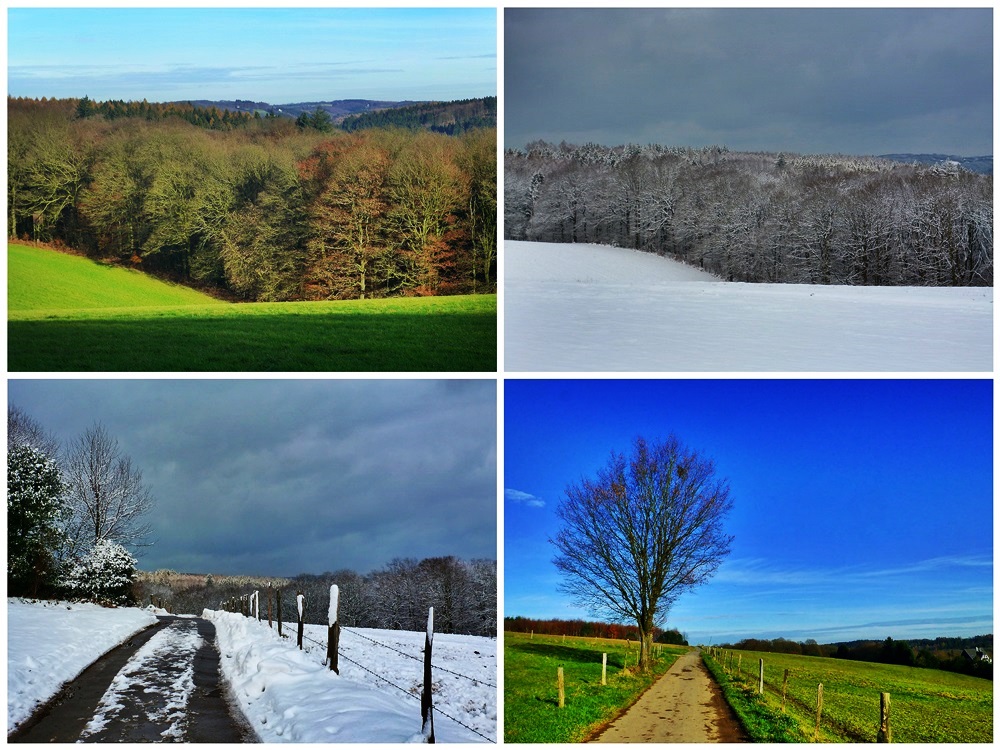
(39, 280)
(126, 321)
(531, 710)
(927, 705)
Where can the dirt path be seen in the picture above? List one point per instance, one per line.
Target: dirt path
(685, 705)
(160, 686)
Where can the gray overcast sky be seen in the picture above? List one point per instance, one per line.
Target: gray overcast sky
(278, 477)
(853, 81)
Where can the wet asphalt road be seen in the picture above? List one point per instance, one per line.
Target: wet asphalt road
(172, 694)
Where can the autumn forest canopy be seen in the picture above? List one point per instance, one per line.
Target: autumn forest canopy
(759, 217)
(256, 208)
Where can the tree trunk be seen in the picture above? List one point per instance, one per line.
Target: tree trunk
(645, 649)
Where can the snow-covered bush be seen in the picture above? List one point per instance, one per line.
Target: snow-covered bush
(35, 510)
(105, 574)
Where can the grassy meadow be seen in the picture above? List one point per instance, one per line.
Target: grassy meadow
(926, 705)
(531, 711)
(67, 313)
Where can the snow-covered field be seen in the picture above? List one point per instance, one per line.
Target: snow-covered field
(593, 308)
(290, 696)
(285, 694)
(50, 643)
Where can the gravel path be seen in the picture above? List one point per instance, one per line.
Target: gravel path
(160, 686)
(685, 705)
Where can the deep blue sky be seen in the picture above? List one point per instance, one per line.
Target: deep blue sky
(279, 477)
(862, 509)
(807, 80)
(280, 56)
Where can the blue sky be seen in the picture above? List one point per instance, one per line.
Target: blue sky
(279, 56)
(862, 509)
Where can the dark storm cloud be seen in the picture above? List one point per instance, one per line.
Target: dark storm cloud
(807, 80)
(280, 477)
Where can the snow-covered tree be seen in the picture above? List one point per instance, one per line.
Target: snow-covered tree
(104, 574)
(35, 512)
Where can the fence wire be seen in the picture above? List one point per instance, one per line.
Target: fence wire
(403, 690)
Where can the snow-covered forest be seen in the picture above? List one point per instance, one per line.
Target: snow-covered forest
(395, 597)
(760, 217)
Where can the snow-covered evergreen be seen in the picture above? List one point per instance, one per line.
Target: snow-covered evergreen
(104, 574)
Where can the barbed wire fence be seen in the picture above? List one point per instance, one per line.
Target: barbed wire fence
(249, 606)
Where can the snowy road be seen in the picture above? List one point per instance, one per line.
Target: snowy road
(161, 686)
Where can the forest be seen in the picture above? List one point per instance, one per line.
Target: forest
(255, 208)
(588, 629)
(395, 597)
(451, 118)
(759, 217)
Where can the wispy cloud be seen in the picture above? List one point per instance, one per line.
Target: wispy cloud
(759, 572)
(524, 498)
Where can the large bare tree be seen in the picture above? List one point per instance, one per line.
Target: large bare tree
(108, 498)
(648, 528)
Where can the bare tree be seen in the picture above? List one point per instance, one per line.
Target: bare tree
(22, 429)
(648, 528)
(105, 493)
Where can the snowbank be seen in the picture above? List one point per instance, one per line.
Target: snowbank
(50, 643)
(603, 309)
(288, 695)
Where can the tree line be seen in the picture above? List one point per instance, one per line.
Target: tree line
(588, 629)
(395, 597)
(941, 653)
(72, 512)
(450, 118)
(759, 217)
(265, 212)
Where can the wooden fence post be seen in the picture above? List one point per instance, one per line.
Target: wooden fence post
(784, 687)
(300, 600)
(561, 685)
(333, 634)
(604, 669)
(760, 684)
(277, 600)
(884, 731)
(819, 710)
(270, 591)
(426, 706)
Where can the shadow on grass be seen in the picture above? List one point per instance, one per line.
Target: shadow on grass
(400, 341)
(565, 653)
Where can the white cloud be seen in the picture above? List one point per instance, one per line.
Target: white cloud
(523, 498)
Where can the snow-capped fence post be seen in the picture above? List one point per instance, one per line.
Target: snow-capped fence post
(300, 599)
(426, 707)
(256, 605)
(270, 591)
(333, 634)
(277, 599)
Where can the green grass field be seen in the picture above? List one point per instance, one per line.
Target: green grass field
(69, 314)
(927, 705)
(531, 711)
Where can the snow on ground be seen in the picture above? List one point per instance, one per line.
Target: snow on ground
(50, 643)
(291, 696)
(604, 309)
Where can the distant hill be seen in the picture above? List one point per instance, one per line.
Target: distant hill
(452, 118)
(338, 109)
(980, 164)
